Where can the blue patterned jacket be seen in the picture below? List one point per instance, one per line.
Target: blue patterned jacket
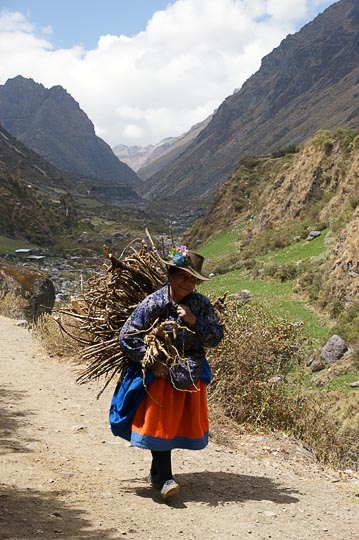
(190, 342)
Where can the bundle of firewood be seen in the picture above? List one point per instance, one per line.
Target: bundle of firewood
(107, 302)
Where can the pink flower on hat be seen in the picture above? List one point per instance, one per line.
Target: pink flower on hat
(183, 250)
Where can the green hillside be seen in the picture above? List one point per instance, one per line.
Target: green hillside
(279, 297)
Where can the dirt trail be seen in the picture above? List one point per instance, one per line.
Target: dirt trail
(63, 474)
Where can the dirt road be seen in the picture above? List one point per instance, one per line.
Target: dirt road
(63, 474)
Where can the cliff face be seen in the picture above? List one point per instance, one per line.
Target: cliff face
(310, 81)
(51, 122)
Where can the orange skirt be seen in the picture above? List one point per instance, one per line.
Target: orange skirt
(167, 418)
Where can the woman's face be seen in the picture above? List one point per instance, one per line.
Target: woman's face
(182, 283)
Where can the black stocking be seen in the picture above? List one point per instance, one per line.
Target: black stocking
(161, 465)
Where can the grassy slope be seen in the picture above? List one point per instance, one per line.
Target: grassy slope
(8, 245)
(278, 297)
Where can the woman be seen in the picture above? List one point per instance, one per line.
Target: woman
(171, 410)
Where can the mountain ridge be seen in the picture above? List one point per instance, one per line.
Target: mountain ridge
(39, 202)
(306, 83)
(148, 160)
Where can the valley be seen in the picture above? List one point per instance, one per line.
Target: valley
(266, 189)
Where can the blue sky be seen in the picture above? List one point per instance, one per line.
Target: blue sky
(144, 70)
(81, 22)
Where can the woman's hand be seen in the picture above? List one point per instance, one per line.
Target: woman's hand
(186, 314)
(160, 369)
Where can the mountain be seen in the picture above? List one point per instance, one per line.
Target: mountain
(39, 202)
(51, 122)
(310, 81)
(148, 160)
(35, 201)
(137, 156)
(167, 153)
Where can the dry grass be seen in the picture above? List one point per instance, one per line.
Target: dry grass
(54, 339)
(12, 306)
(328, 424)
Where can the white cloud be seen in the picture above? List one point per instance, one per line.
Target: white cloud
(11, 21)
(156, 84)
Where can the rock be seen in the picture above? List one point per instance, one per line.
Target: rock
(309, 362)
(83, 237)
(34, 286)
(313, 234)
(334, 349)
(318, 382)
(23, 323)
(276, 379)
(242, 296)
(120, 236)
(316, 365)
(354, 384)
(268, 513)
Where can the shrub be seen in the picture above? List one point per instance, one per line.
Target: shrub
(346, 139)
(258, 383)
(327, 428)
(312, 278)
(53, 338)
(323, 139)
(11, 305)
(280, 272)
(280, 152)
(348, 322)
(257, 348)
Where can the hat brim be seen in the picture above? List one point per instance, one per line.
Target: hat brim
(189, 270)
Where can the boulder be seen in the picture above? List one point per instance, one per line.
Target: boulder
(334, 349)
(34, 286)
(313, 234)
(243, 295)
(316, 365)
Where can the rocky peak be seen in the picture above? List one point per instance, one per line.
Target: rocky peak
(51, 122)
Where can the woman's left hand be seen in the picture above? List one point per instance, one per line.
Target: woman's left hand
(186, 314)
(160, 369)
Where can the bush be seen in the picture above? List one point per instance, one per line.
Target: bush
(312, 277)
(348, 323)
(258, 383)
(257, 349)
(280, 272)
(54, 339)
(280, 152)
(323, 139)
(346, 139)
(329, 431)
(12, 306)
